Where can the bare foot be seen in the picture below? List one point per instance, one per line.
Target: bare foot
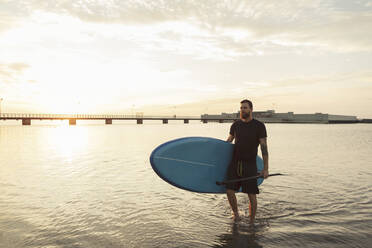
(236, 217)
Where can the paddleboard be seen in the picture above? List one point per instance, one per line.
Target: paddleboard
(195, 163)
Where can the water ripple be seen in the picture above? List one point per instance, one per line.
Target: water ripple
(100, 191)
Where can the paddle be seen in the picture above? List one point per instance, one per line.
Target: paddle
(245, 179)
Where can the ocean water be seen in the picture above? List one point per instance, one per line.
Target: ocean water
(93, 186)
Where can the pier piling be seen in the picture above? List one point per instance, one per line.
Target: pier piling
(72, 122)
(26, 121)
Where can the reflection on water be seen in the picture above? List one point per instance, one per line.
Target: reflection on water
(241, 235)
(67, 141)
(93, 186)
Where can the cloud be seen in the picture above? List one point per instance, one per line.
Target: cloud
(6, 22)
(343, 101)
(18, 67)
(10, 72)
(223, 29)
(355, 78)
(322, 93)
(264, 26)
(256, 84)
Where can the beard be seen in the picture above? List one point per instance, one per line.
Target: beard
(245, 115)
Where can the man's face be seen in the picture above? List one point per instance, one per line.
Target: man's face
(245, 111)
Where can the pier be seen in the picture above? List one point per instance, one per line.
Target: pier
(72, 118)
(140, 119)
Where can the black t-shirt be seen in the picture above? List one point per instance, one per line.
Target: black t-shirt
(247, 135)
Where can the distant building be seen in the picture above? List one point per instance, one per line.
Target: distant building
(270, 116)
(232, 116)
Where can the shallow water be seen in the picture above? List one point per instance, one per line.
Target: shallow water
(93, 186)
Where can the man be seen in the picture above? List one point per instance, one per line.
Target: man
(248, 134)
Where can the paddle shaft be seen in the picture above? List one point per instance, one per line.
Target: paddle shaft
(245, 179)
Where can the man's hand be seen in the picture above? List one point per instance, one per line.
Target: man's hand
(264, 173)
(230, 138)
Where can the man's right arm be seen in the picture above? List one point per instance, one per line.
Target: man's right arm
(230, 138)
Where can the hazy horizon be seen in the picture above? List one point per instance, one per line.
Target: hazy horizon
(186, 57)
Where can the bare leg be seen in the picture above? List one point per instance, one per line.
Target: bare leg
(252, 207)
(233, 203)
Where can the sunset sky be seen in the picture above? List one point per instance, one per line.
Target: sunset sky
(186, 57)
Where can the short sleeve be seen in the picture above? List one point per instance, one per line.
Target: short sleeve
(232, 129)
(262, 131)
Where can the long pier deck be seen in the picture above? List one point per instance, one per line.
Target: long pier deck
(26, 118)
(72, 118)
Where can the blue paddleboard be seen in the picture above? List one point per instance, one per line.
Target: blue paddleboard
(195, 163)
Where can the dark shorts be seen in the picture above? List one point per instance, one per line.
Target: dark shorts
(239, 169)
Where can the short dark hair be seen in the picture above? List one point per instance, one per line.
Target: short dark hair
(247, 101)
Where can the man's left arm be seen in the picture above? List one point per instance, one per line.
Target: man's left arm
(265, 156)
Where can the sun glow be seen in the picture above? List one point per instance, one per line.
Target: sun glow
(66, 141)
